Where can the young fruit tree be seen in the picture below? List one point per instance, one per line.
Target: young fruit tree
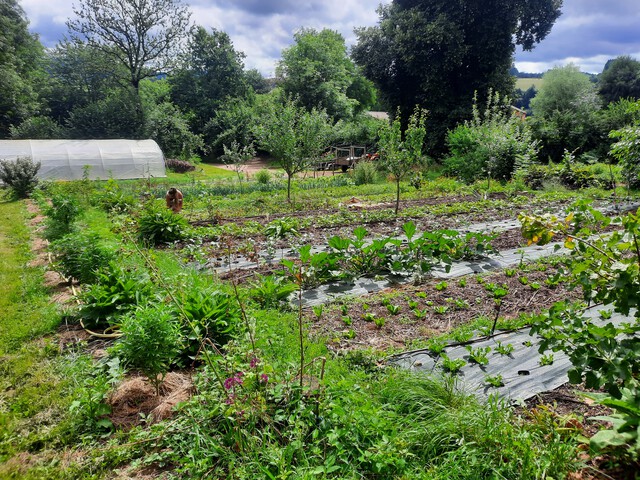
(401, 154)
(293, 136)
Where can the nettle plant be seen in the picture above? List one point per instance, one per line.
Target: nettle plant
(604, 355)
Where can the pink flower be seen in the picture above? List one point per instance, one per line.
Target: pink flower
(254, 362)
(264, 378)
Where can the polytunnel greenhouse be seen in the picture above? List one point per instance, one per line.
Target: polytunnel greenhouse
(104, 159)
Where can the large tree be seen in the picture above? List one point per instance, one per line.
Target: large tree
(212, 73)
(80, 74)
(146, 36)
(20, 67)
(437, 53)
(565, 112)
(317, 70)
(620, 79)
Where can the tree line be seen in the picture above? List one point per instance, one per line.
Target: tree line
(142, 69)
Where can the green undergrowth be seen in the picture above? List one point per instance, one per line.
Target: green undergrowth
(251, 414)
(34, 397)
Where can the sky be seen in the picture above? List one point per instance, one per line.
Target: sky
(588, 33)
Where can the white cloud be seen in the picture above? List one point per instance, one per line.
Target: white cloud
(589, 31)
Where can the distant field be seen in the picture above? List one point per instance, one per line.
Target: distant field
(525, 83)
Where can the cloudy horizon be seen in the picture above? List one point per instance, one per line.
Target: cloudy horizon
(588, 33)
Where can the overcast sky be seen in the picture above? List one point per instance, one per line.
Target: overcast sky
(588, 33)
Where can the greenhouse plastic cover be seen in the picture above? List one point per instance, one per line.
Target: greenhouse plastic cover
(66, 159)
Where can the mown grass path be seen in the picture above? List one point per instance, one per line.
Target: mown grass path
(32, 399)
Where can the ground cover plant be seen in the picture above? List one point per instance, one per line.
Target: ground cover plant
(195, 372)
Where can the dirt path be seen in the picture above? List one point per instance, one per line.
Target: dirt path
(267, 163)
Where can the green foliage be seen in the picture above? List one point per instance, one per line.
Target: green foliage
(211, 315)
(603, 355)
(494, 380)
(565, 113)
(61, 215)
(479, 355)
(363, 129)
(263, 177)
(451, 365)
(21, 60)
(116, 291)
(38, 128)
(365, 173)
(271, 291)
(436, 54)
(113, 198)
(213, 74)
(236, 156)
(158, 224)
(282, 228)
(620, 79)
(89, 409)
(293, 136)
(627, 149)
(168, 126)
(116, 115)
(401, 152)
(20, 175)
(145, 39)
(317, 71)
(151, 341)
(81, 256)
(234, 121)
(493, 144)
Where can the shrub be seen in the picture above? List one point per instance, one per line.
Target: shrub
(61, 215)
(151, 341)
(116, 291)
(271, 291)
(210, 314)
(627, 151)
(113, 199)
(535, 176)
(41, 127)
(81, 256)
(493, 144)
(20, 175)
(179, 166)
(263, 177)
(161, 225)
(365, 173)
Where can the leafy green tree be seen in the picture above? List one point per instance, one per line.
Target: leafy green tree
(21, 73)
(256, 81)
(212, 73)
(234, 121)
(565, 112)
(620, 79)
(39, 128)
(145, 36)
(318, 71)
(293, 135)
(627, 148)
(80, 74)
(117, 115)
(401, 153)
(437, 53)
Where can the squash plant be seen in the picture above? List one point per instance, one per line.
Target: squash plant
(607, 267)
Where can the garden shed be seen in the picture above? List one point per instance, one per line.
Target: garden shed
(67, 159)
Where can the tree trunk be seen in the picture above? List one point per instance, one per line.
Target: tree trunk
(397, 196)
